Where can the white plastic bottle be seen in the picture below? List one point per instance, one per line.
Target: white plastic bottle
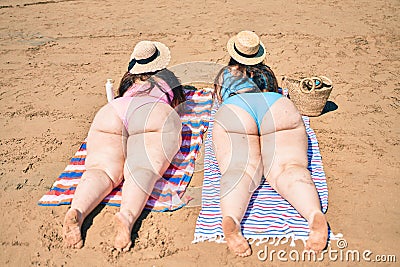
(109, 90)
(285, 92)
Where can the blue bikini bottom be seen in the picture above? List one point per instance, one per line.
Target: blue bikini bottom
(256, 104)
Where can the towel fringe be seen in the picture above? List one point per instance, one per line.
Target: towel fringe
(214, 238)
(273, 240)
(262, 241)
(332, 236)
(292, 243)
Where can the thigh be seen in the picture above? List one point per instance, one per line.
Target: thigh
(106, 144)
(237, 144)
(283, 139)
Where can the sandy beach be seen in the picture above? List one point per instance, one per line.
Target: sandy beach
(55, 57)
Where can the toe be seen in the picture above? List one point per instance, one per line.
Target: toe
(128, 247)
(79, 244)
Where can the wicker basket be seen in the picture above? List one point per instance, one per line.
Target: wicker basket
(309, 94)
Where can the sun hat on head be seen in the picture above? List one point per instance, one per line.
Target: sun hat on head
(246, 48)
(149, 56)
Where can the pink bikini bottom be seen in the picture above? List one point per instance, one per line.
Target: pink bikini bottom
(122, 104)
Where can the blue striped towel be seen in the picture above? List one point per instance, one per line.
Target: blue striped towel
(269, 217)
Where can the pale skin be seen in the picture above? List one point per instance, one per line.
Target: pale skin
(279, 153)
(139, 154)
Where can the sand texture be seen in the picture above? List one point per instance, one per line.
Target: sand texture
(55, 57)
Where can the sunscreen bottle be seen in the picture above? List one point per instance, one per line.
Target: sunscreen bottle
(109, 90)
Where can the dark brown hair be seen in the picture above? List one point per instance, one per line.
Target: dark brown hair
(166, 75)
(261, 74)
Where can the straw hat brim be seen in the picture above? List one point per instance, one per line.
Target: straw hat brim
(258, 58)
(160, 62)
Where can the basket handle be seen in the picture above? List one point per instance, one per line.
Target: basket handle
(307, 80)
(319, 79)
(329, 81)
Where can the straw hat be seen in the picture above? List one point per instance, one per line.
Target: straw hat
(246, 48)
(148, 56)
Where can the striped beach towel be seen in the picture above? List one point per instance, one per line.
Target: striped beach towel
(269, 218)
(169, 189)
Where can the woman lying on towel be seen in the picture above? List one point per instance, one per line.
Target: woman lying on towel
(134, 137)
(258, 132)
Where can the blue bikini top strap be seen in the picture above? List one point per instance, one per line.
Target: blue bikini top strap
(232, 84)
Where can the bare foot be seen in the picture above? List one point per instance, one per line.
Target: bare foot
(123, 240)
(72, 229)
(318, 232)
(236, 242)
